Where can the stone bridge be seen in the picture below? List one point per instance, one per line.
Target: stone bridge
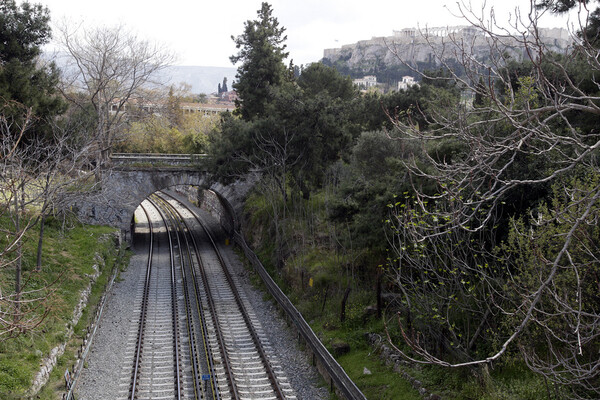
(131, 178)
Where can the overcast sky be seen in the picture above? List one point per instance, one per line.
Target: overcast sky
(199, 31)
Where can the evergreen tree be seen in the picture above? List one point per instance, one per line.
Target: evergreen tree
(23, 30)
(224, 87)
(219, 90)
(174, 113)
(590, 31)
(480, 93)
(261, 53)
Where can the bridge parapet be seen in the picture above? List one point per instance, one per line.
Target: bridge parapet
(155, 160)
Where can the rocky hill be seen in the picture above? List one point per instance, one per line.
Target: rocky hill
(414, 47)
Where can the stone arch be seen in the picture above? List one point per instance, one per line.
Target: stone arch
(160, 182)
(124, 189)
(134, 186)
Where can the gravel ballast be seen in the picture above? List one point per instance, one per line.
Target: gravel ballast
(105, 367)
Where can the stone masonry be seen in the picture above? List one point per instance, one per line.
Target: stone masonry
(123, 189)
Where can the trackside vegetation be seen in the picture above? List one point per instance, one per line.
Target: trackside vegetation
(316, 276)
(73, 257)
(456, 219)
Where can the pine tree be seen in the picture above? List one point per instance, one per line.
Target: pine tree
(261, 53)
(224, 87)
(23, 30)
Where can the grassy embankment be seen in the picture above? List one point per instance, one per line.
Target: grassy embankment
(316, 275)
(68, 260)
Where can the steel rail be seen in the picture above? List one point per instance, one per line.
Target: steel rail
(270, 372)
(257, 343)
(212, 308)
(203, 325)
(142, 321)
(182, 239)
(189, 323)
(345, 386)
(175, 315)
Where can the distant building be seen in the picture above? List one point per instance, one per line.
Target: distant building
(229, 97)
(206, 109)
(136, 109)
(406, 82)
(366, 82)
(418, 45)
(462, 30)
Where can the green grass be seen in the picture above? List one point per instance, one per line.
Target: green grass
(67, 263)
(383, 382)
(506, 381)
(378, 384)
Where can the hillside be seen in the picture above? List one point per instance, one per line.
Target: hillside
(386, 55)
(202, 79)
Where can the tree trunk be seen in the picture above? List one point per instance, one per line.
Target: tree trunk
(18, 261)
(378, 293)
(479, 330)
(38, 265)
(344, 300)
(324, 299)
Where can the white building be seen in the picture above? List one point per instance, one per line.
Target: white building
(407, 81)
(366, 81)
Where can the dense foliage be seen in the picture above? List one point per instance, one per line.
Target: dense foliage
(168, 129)
(475, 193)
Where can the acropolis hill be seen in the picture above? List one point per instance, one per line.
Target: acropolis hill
(412, 46)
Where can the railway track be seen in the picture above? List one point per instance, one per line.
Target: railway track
(154, 342)
(241, 349)
(196, 335)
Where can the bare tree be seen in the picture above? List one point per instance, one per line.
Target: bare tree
(18, 308)
(38, 176)
(273, 159)
(549, 311)
(62, 172)
(111, 67)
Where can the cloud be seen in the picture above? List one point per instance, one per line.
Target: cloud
(200, 31)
